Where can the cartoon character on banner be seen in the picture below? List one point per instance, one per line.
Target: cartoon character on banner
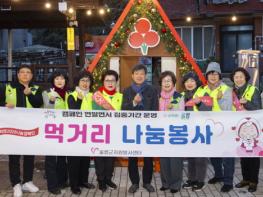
(248, 132)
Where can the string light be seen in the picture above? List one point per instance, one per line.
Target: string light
(101, 11)
(71, 10)
(188, 19)
(234, 18)
(89, 12)
(47, 5)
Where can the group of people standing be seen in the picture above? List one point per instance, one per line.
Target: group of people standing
(140, 96)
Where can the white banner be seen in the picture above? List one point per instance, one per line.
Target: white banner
(131, 133)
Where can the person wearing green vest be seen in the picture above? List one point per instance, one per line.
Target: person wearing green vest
(219, 96)
(170, 100)
(55, 98)
(80, 98)
(106, 98)
(22, 93)
(197, 166)
(246, 97)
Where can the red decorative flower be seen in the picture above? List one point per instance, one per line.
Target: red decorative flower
(143, 37)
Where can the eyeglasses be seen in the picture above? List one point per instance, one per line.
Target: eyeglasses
(109, 81)
(167, 81)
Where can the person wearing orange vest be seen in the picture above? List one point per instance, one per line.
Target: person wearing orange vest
(80, 98)
(22, 93)
(247, 98)
(106, 98)
(221, 100)
(56, 166)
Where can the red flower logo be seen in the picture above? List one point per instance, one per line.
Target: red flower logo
(143, 37)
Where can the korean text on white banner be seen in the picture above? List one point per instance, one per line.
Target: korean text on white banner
(131, 133)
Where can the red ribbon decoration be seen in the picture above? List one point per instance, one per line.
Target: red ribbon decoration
(207, 100)
(19, 132)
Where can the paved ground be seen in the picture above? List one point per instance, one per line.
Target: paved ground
(122, 180)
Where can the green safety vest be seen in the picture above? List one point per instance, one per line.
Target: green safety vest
(86, 103)
(178, 99)
(115, 101)
(212, 93)
(249, 92)
(11, 95)
(60, 103)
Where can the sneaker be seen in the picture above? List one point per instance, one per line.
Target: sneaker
(148, 187)
(226, 188)
(30, 187)
(18, 190)
(242, 184)
(188, 184)
(133, 188)
(252, 187)
(198, 186)
(214, 180)
(111, 184)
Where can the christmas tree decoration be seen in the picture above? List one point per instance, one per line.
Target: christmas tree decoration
(143, 24)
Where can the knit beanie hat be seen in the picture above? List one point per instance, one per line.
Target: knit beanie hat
(191, 75)
(213, 66)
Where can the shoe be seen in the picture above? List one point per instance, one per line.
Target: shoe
(133, 188)
(226, 188)
(252, 187)
(18, 190)
(198, 186)
(148, 187)
(55, 191)
(87, 185)
(64, 185)
(188, 184)
(242, 184)
(163, 188)
(111, 184)
(102, 186)
(174, 191)
(30, 187)
(76, 190)
(214, 180)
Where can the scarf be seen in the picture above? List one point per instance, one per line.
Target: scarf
(237, 95)
(139, 90)
(109, 92)
(189, 94)
(61, 91)
(212, 87)
(165, 100)
(84, 92)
